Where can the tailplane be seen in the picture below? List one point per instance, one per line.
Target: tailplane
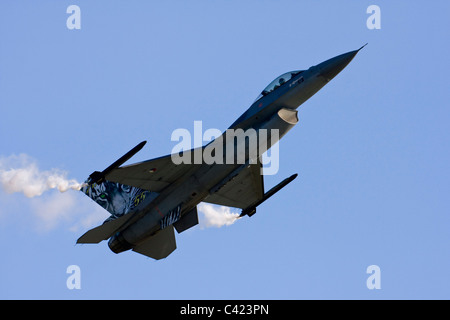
(158, 246)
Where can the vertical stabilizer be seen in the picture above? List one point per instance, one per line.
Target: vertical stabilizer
(118, 199)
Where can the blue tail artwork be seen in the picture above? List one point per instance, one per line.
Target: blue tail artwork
(118, 199)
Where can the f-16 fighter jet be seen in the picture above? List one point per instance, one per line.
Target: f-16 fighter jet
(148, 200)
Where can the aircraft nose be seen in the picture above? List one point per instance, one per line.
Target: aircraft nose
(330, 68)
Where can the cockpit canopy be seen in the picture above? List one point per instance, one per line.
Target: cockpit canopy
(278, 82)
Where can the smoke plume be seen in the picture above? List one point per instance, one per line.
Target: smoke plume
(48, 208)
(216, 216)
(21, 174)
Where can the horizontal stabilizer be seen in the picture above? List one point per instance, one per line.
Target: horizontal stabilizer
(104, 231)
(158, 246)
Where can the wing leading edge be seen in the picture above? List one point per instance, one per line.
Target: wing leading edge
(152, 175)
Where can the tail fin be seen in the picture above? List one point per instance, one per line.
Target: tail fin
(118, 199)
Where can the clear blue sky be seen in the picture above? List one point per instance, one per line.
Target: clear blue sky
(371, 148)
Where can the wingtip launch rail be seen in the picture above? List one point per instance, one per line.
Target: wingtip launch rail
(99, 177)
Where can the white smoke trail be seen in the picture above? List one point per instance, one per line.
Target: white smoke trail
(216, 216)
(21, 174)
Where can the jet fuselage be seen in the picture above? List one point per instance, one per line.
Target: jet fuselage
(275, 109)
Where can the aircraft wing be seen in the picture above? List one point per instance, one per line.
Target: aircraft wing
(156, 174)
(152, 175)
(242, 191)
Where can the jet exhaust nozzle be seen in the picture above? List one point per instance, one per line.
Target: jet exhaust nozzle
(118, 244)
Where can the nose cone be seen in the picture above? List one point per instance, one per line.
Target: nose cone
(330, 68)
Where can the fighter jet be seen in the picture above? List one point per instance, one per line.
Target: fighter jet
(148, 200)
